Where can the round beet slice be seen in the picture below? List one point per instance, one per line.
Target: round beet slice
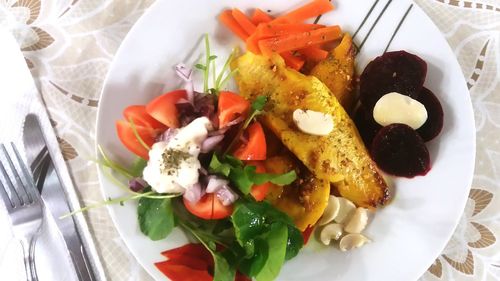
(398, 71)
(366, 125)
(434, 124)
(399, 150)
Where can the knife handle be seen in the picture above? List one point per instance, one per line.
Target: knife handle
(80, 260)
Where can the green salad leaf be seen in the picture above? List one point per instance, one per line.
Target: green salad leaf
(277, 242)
(245, 176)
(156, 217)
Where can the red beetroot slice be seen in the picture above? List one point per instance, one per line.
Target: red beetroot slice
(398, 71)
(434, 124)
(399, 150)
(367, 126)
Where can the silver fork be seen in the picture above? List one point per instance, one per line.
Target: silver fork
(23, 204)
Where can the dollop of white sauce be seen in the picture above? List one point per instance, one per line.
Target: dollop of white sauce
(173, 165)
(313, 122)
(397, 108)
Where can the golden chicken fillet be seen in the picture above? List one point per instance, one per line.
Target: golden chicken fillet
(340, 157)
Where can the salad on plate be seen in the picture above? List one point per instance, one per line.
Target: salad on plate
(304, 146)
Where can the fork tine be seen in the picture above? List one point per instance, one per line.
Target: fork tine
(5, 197)
(29, 187)
(15, 199)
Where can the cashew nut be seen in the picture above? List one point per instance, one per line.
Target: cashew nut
(346, 210)
(352, 241)
(331, 210)
(330, 232)
(358, 221)
(397, 108)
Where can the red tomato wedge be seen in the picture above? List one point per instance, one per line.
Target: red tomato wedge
(163, 108)
(209, 207)
(176, 271)
(141, 118)
(255, 148)
(307, 234)
(259, 192)
(231, 106)
(129, 140)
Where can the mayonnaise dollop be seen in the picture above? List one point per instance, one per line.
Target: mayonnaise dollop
(173, 165)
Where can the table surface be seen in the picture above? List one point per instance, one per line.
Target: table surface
(69, 46)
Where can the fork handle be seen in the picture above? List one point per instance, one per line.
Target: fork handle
(29, 262)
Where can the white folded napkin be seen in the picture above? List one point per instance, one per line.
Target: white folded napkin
(19, 96)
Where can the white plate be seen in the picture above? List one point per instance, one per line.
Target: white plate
(409, 233)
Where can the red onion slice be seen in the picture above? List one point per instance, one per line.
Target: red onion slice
(235, 121)
(218, 132)
(215, 183)
(209, 143)
(226, 195)
(137, 184)
(194, 193)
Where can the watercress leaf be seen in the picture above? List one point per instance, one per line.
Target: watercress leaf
(249, 221)
(217, 167)
(253, 265)
(294, 243)
(259, 103)
(200, 66)
(156, 217)
(278, 179)
(212, 57)
(276, 241)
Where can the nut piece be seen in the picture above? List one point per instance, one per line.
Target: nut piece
(331, 210)
(358, 221)
(313, 122)
(397, 108)
(330, 232)
(346, 210)
(352, 241)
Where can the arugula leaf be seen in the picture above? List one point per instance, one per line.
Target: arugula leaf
(156, 217)
(253, 265)
(277, 240)
(218, 167)
(249, 221)
(244, 177)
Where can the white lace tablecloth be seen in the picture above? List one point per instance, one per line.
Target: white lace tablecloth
(69, 45)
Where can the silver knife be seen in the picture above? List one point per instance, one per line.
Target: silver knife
(55, 199)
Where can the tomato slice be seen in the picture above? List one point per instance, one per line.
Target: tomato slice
(163, 108)
(209, 207)
(255, 148)
(231, 106)
(127, 137)
(141, 118)
(259, 192)
(177, 271)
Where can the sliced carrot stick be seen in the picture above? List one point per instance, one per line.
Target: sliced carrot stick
(265, 30)
(260, 16)
(292, 61)
(299, 41)
(314, 53)
(311, 10)
(243, 21)
(226, 17)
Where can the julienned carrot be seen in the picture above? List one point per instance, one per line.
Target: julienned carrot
(226, 17)
(314, 53)
(299, 41)
(311, 10)
(260, 16)
(243, 21)
(292, 61)
(266, 30)
(253, 43)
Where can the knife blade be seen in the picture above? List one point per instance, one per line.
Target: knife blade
(55, 200)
